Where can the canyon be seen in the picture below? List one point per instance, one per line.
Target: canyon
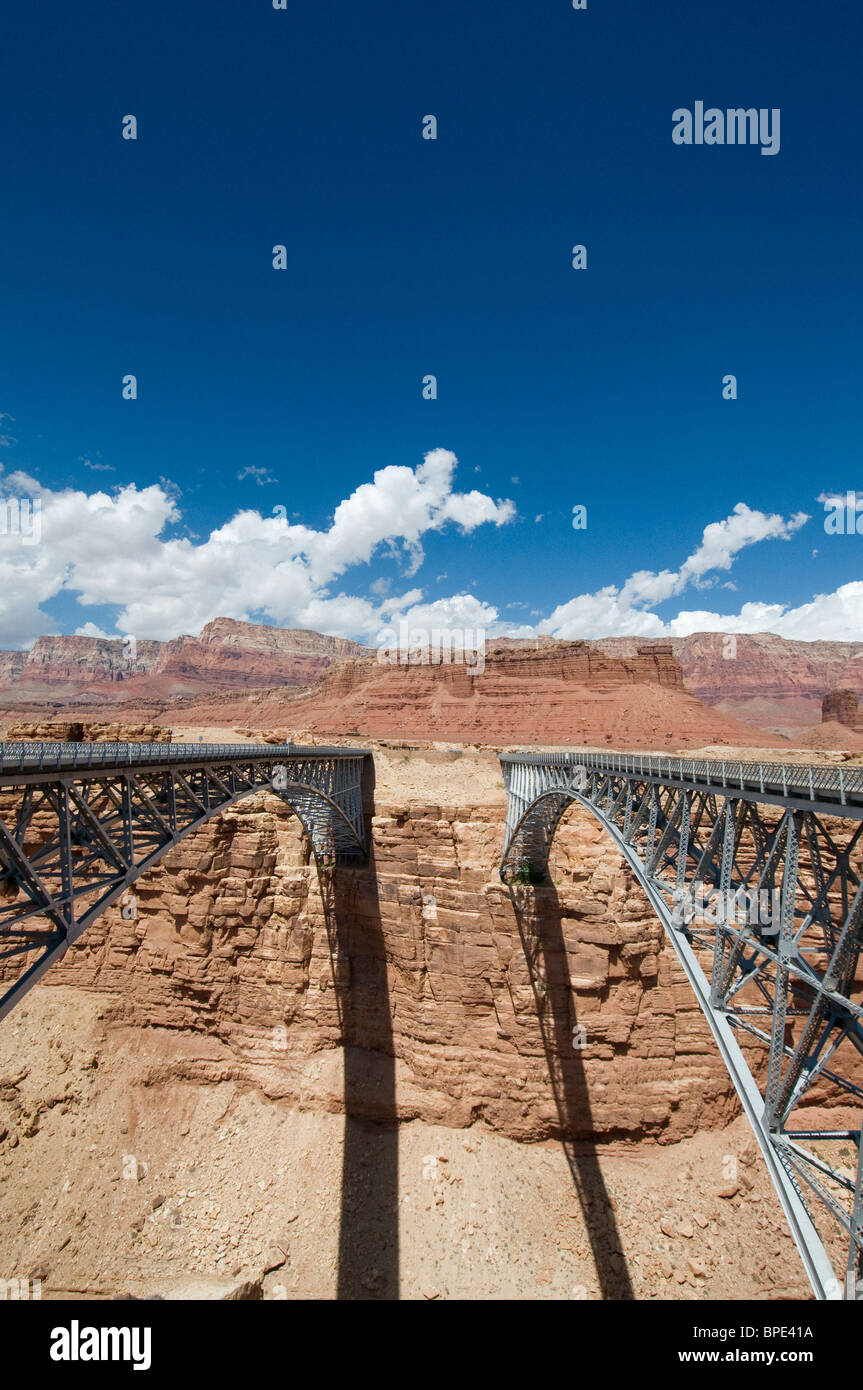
(403, 1078)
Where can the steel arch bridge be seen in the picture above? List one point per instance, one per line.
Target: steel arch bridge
(79, 822)
(750, 868)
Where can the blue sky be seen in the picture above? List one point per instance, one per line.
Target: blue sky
(262, 389)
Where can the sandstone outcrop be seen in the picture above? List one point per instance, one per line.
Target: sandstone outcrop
(555, 1011)
(586, 663)
(70, 731)
(73, 663)
(217, 1049)
(230, 671)
(566, 693)
(841, 707)
(194, 1189)
(230, 654)
(767, 680)
(226, 655)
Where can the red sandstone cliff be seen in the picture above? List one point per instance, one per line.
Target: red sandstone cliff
(230, 654)
(842, 706)
(768, 680)
(70, 664)
(226, 655)
(208, 1048)
(232, 941)
(537, 689)
(568, 693)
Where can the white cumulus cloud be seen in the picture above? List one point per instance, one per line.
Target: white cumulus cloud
(624, 611)
(110, 549)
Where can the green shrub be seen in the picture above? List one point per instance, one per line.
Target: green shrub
(526, 873)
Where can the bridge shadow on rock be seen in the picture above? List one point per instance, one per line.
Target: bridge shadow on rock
(540, 923)
(368, 1261)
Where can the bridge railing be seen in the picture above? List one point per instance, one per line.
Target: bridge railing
(49, 757)
(785, 779)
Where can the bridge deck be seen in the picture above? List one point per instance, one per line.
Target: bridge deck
(807, 785)
(31, 759)
(765, 913)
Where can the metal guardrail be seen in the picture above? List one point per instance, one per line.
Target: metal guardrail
(56, 757)
(782, 779)
(148, 796)
(680, 824)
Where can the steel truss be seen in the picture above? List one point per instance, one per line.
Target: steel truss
(750, 833)
(80, 822)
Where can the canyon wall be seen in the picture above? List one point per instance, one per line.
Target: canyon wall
(74, 731)
(771, 681)
(585, 662)
(841, 706)
(234, 655)
(461, 999)
(232, 667)
(565, 693)
(69, 663)
(760, 680)
(213, 1060)
(226, 655)
(578, 662)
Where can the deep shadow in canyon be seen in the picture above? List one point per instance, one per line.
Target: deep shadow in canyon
(368, 1259)
(540, 923)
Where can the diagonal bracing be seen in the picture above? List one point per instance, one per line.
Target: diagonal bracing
(754, 870)
(80, 822)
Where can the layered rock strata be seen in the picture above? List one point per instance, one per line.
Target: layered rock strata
(543, 1012)
(841, 706)
(226, 655)
(770, 681)
(72, 731)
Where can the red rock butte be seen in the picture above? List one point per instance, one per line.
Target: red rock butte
(568, 692)
(841, 706)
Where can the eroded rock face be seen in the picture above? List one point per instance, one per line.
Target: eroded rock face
(566, 693)
(230, 654)
(543, 1012)
(841, 706)
(580, 662)
(226, 655)
(67, 731)
(71, 662)
(774, 682)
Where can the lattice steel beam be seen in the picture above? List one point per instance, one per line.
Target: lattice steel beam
(79, 823)
(711, 843)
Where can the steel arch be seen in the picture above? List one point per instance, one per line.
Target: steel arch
(89, 819)
(682, 825)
